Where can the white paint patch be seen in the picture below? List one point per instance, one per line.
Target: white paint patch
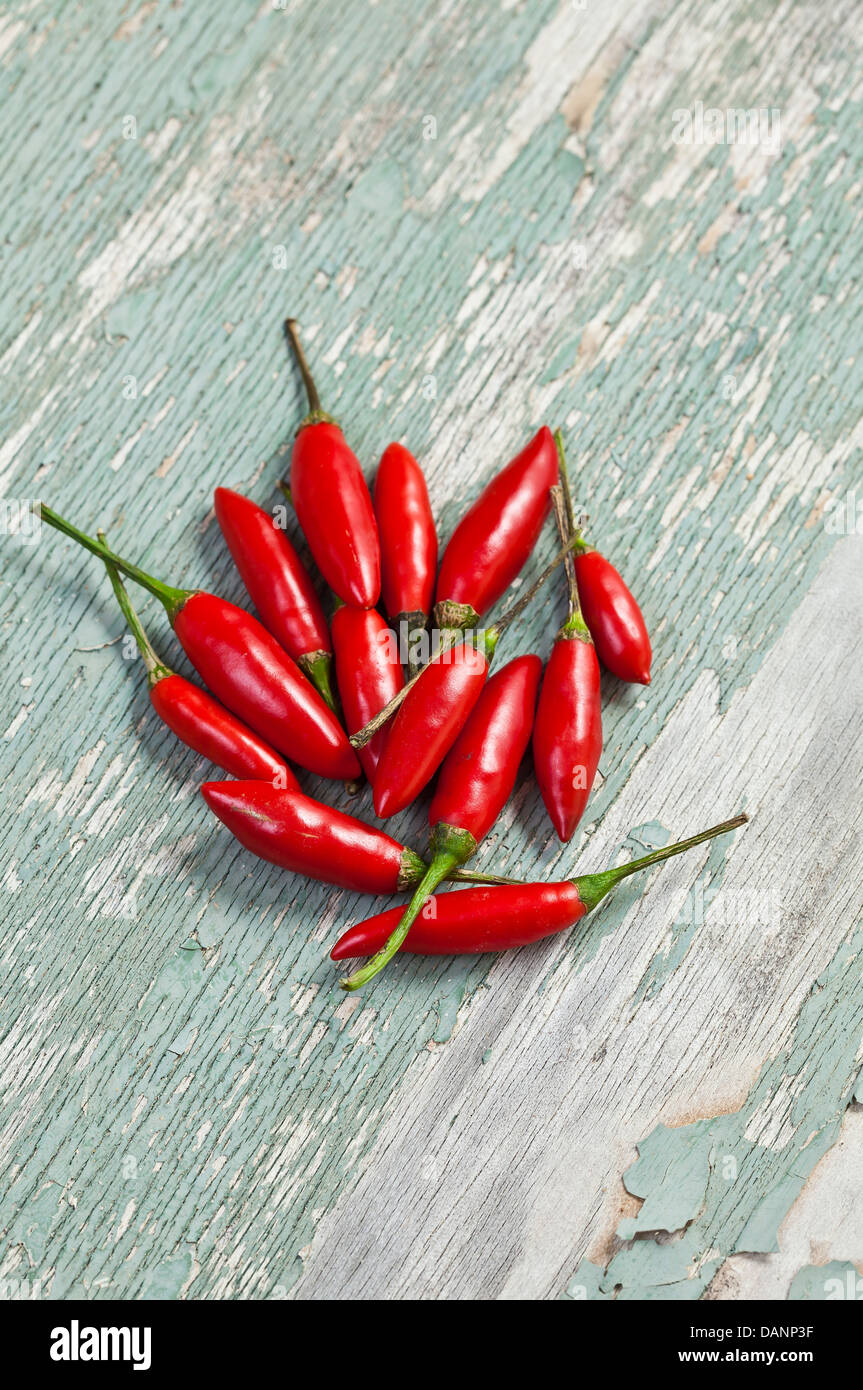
(125, 1220)
(163, 229)
(15, 347)
(17, 723)
(10, 31)
(123, 453)
(10, 450)
(824, 1224)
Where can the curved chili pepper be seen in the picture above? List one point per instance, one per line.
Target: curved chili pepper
(567, 736)
(278, 584)
(369, 674)
(475, 783)
(497, 919)
(332, 500)
(492, 542)
(243, 666)
(195, 717)
(613, 616)
(408, 543)
(480, 769)
(307, 837)
(427, 725)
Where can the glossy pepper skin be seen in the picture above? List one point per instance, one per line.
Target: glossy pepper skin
(475, 783)
(332, 500)
(567, 737)
(278, 584)
(195, 717)
(248, 670)
(492, 542)
(334, 509)
(497, 919)
(243, 666)
(471, 921)
(485, 639)
(408, 540)
(211, 730)
(479, 771)
(428, 723)
(614, 618)
(368, 672)
(309, 838)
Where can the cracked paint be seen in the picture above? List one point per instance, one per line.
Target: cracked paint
(173, 1049)
(714, 1189)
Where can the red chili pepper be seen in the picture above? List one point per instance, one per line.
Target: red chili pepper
(497, 919)
(480, 769)
(332, 500)
(475, 783)
(427, 725)
(567, 736)
(433, 706)
(408, 542)
(369, 674)
(613, 616)
(307, 837)
(609, 609)
(492, 542)
(470, 921)
(195, 717)
(278, 585)
(244, 667)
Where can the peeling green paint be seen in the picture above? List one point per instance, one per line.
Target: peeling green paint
(838, 1279)
(168, 1278)
(722, 1185)
(182, 1047)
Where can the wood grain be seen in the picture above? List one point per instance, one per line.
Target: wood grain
(482, 220)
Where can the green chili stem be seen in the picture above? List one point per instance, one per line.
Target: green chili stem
(575, 626)
(474, 876)
(316, 415)
(563, 531)
(441, 865)
(564, 482)
(156, 669)
(318, 666)
(451, 846)
(592, 888)
(581, 545)
(172, 598)
(293, 332)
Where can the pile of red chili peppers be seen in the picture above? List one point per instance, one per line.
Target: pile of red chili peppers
(376, 694)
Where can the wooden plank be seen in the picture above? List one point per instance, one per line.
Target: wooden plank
(483, 221)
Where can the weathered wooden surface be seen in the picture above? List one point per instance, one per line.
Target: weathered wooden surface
(190, 1108)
